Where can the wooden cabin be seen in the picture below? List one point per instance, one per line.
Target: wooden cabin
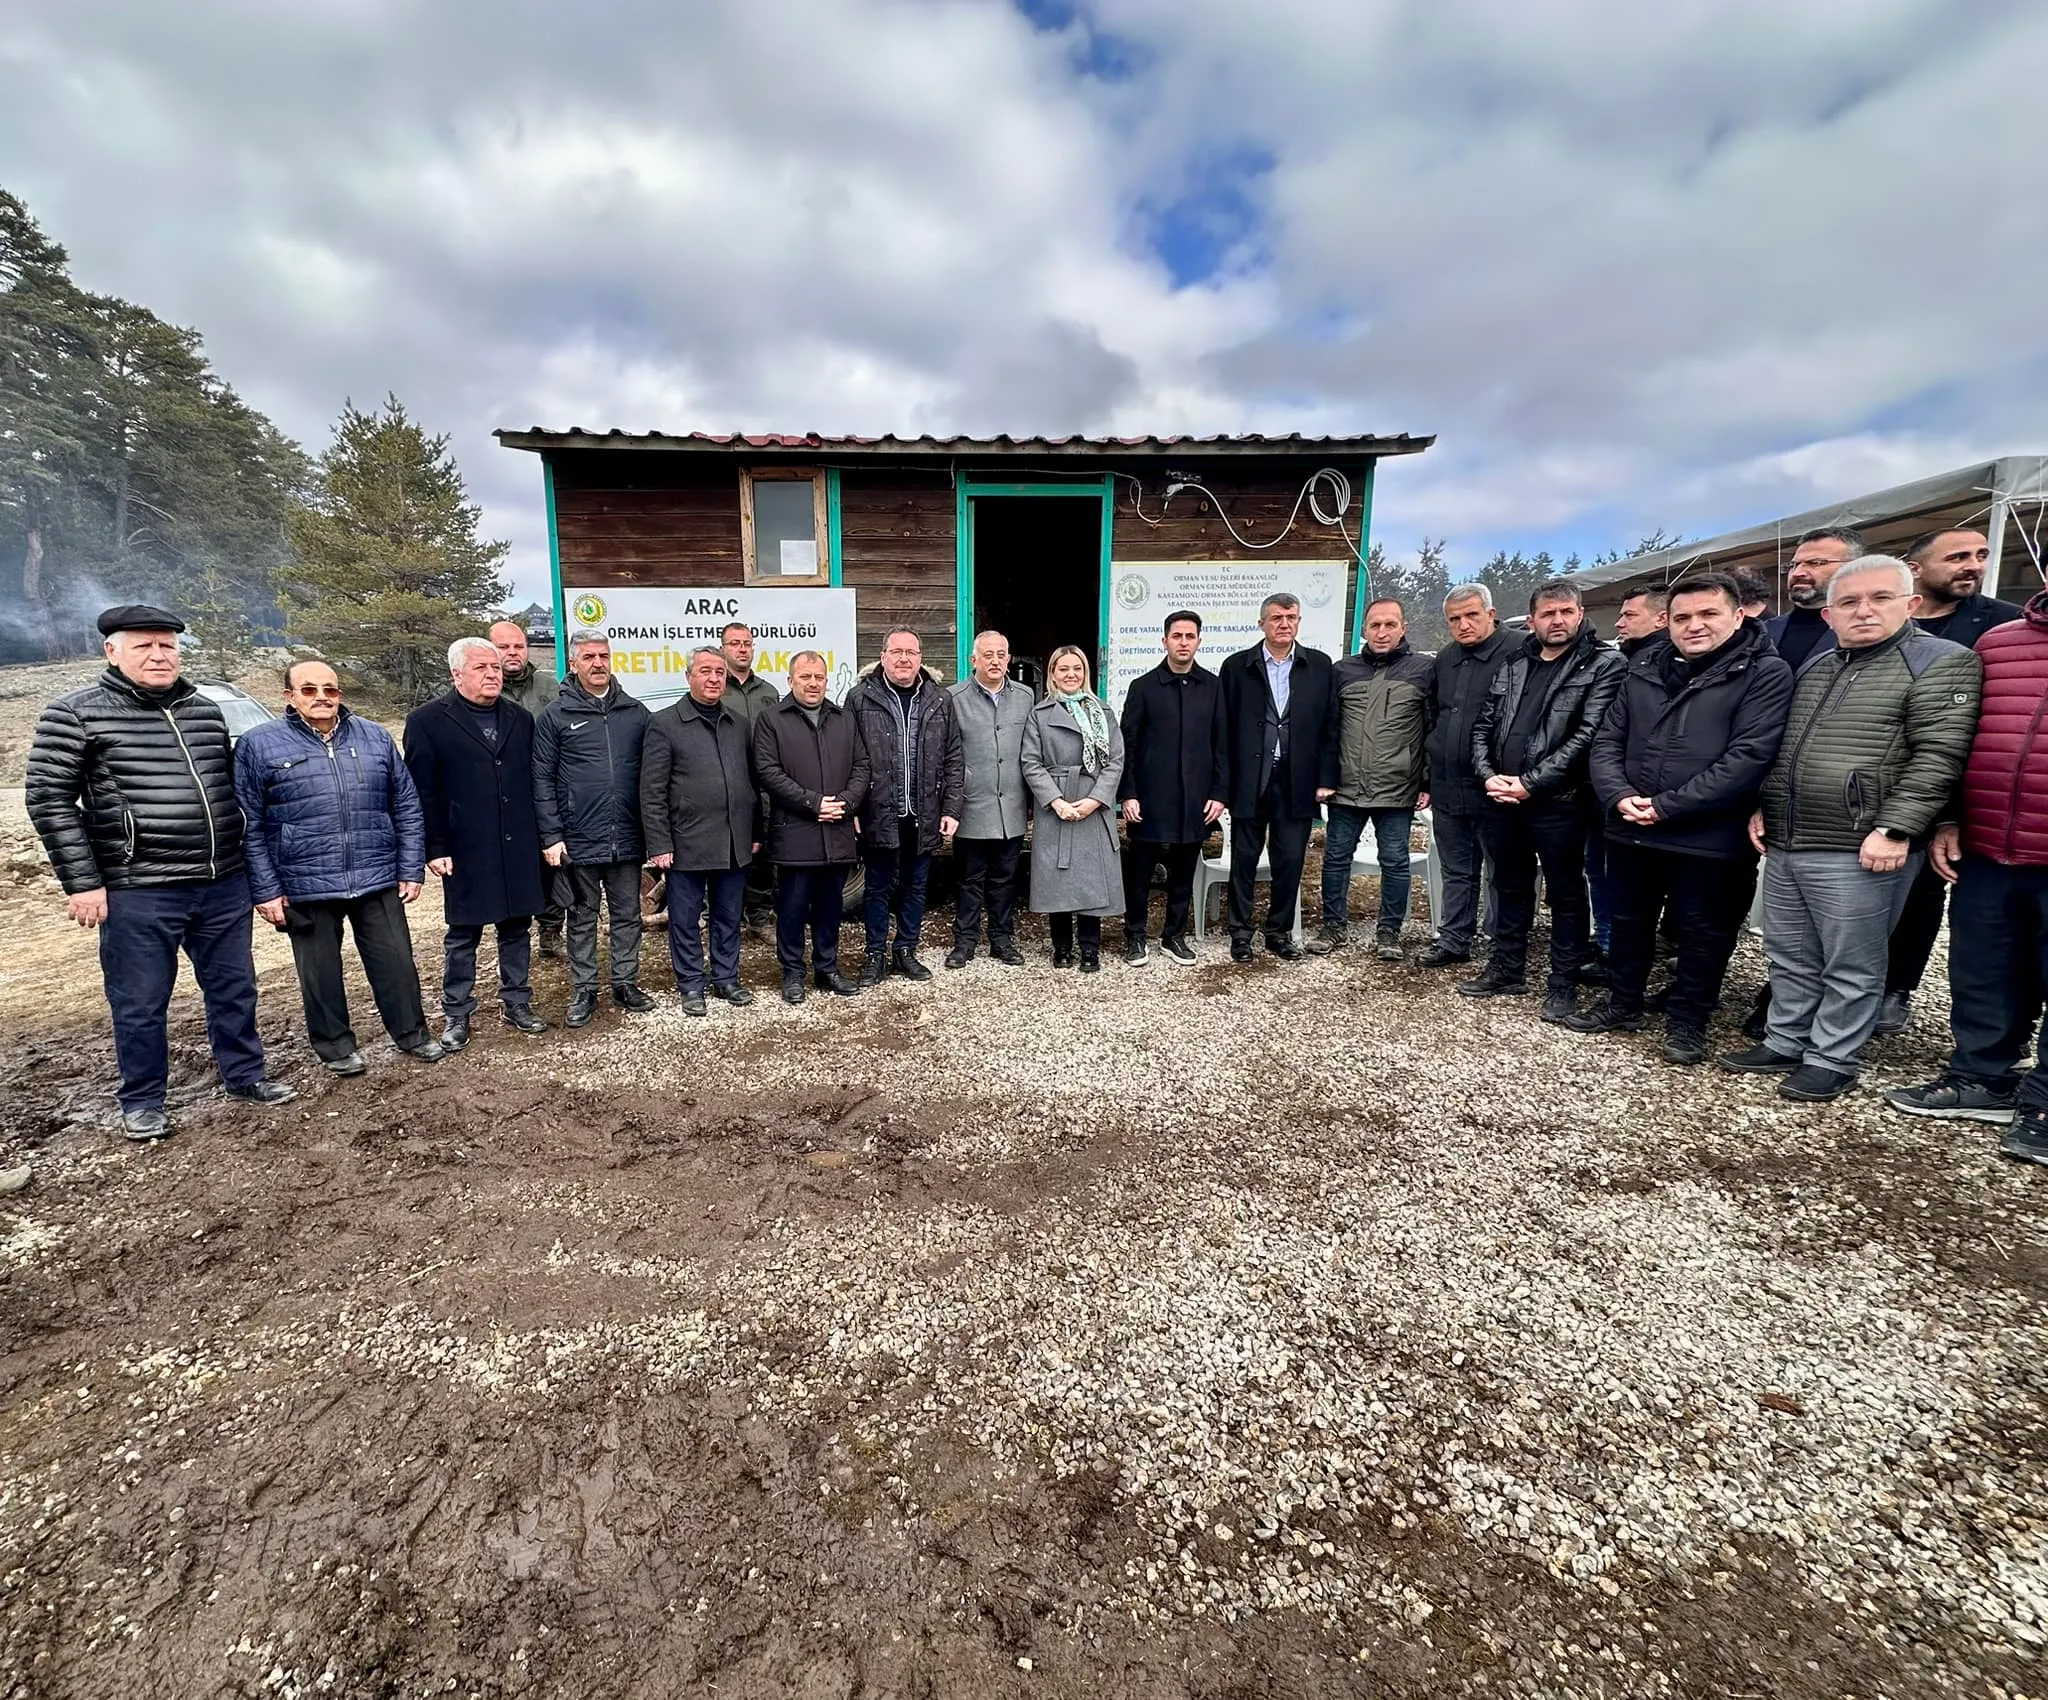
(828, 542)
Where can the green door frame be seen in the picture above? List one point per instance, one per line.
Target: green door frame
(1363, 594)
(966, 489)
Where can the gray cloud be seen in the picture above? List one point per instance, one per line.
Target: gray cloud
(1678, 264)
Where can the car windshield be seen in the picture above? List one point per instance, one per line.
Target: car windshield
(243, 714)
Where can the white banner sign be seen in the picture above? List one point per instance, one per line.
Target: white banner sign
(1227, 595)
(653, 631)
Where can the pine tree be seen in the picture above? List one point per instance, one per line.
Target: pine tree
(390, 570)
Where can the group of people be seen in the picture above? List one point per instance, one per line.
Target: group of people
(1641, 782)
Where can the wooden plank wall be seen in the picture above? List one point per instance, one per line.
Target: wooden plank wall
(623, 523)
(897, 549)
(1258, 505)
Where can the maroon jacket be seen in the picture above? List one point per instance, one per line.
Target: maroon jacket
(2005, 785)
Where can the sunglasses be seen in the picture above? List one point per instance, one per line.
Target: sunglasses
(318, 690)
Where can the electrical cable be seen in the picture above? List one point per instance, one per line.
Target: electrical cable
(1339, 488)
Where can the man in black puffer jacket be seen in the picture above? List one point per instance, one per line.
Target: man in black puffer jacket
(1529, 749)
(1677, 766)
(586, 801)
(131, 784)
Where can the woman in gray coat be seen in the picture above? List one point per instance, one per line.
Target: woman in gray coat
(1073, 757)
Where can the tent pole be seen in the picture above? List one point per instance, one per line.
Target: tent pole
(1995, 536)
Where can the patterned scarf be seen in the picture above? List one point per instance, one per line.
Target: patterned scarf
(1093, 719)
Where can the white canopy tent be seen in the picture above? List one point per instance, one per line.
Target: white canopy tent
(2006, 499)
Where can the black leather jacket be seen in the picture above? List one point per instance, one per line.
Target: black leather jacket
(1581, 689)
(134, 787)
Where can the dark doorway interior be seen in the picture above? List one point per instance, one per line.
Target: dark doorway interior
(1038, 577)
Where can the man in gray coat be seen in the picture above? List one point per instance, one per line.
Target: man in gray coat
(991, 708)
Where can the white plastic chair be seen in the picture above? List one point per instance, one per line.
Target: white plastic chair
(1212, 875)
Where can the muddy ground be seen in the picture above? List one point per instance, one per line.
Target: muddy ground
(1227, 1332)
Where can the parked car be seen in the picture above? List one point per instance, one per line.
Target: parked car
(243, 712)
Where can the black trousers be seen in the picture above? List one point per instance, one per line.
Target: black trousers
(618, 884)
(1708, 898)
(1141, 856)
(515, 966)
(1996, 985)
(1919, 926)
(813, 898)
(1250, 836)
(1062, 929)
(1460, 857)
(988, 885)
(383, 941)
(1520, 838)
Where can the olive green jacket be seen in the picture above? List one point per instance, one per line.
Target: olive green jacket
(1876, 738)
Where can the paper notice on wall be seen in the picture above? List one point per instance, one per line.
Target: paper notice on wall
(1227, 595)
(652, 632)
(799, 557)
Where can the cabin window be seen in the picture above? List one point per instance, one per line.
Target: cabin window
(783, 531)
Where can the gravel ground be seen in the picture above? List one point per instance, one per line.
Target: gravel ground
(1223, 1330)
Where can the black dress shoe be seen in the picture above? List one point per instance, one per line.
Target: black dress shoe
(427, 1051)
(1240, 950)
(1435, 956)
(959, 958)
(1007, 954)
(1685, 1046)
(521, 1016)
(264, 1092)
(693, 1003)
(1760, 1059)
(874, 970)
(831, 980)
(1091, 962)
(1283, 947)
(1603, 1017)
(1809, 1083)
(633, 998)
(347, 1067)
(143, 1126)
(906, 963)
(792, 988)
(582, 1006)
(454, 1032)
(1063, 959)
(736, 995)
(1492, 985)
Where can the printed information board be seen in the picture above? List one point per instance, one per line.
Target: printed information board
(1227, 595)
(653, 631)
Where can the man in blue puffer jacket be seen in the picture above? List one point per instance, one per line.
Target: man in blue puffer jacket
(335, 833)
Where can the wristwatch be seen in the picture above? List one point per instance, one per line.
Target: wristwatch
(1895, 835)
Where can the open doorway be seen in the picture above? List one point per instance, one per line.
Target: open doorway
(1038, 577)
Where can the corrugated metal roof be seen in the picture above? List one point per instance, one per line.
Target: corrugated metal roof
(1969, 489)
(729, 442)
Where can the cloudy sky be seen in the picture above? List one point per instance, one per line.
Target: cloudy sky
(1689, 264)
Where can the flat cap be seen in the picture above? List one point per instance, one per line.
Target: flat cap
(139, 617)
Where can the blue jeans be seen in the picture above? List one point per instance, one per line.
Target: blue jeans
(896, 882)
(1347, 827)
(725, 890)
(145, 928)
